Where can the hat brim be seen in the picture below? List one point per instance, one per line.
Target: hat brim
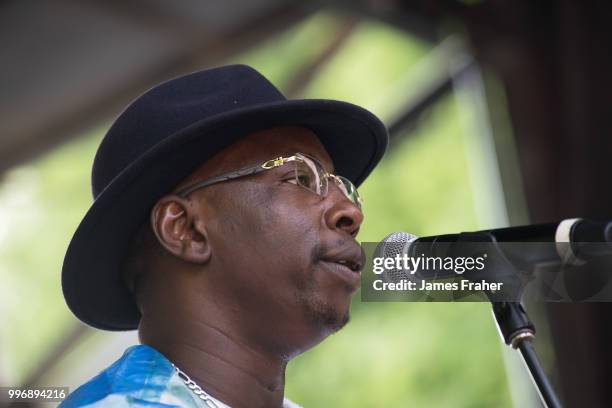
(91, 275)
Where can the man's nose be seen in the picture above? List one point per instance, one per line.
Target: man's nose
(343, 214)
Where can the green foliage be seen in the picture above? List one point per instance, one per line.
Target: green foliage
(41, 204)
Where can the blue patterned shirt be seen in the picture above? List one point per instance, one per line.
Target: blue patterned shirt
(142, 377)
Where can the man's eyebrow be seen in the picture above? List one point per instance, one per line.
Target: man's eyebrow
(324, 163)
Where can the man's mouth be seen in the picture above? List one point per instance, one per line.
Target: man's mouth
(350, 277)
(353, 266)
(346, 265)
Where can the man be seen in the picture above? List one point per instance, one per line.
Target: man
(223, 229)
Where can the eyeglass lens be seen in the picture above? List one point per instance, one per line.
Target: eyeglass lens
(310, 174)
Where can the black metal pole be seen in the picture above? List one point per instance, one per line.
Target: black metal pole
(517, 331)
(545, 389)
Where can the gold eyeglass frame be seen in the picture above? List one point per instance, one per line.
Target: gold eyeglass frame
(344, 184)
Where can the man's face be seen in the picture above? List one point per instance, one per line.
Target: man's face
(277, 248)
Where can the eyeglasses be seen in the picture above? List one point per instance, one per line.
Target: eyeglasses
(308, 172)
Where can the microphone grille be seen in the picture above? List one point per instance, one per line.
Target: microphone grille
(396, 243)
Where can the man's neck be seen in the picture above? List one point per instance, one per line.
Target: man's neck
(223, 364)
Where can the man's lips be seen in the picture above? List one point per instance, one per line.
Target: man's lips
(350, 256)
(352, 278)
(346, 263)
(354, 266)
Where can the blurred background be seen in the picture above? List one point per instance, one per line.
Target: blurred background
(498, 113)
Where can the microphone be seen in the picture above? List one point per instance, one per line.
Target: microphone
(571, 241)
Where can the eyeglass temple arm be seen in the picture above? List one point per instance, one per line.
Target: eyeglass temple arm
(246, 171)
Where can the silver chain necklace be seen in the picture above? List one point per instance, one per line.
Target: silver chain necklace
(197, 390)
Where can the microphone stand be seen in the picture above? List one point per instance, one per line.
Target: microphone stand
(517, 331)
(512, 321)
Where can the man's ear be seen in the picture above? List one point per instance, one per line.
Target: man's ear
(173, 222)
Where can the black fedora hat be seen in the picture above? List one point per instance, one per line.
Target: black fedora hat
(161, 138)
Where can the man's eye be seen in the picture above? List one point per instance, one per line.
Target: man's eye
(301, 180)
(304, 180)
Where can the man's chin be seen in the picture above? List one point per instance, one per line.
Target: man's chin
(327, 312)
(327, 316)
